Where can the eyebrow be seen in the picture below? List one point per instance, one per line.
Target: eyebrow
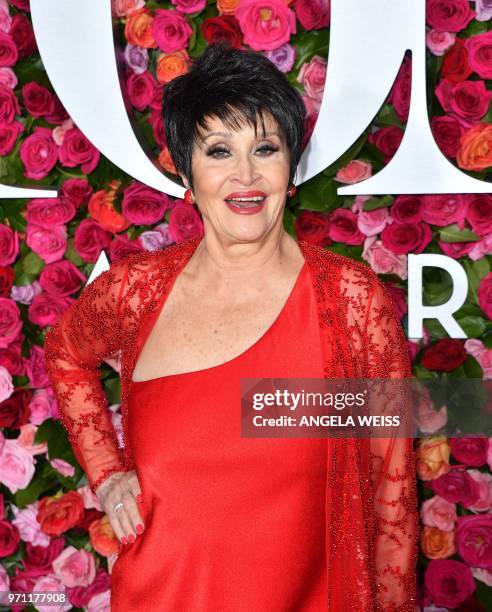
(229, 135)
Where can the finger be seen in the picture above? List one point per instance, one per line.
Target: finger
(133, 512)
(116, 525)
(134, 486)
(126, 523)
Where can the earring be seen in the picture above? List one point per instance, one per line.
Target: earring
(292, 191)
(188, 197)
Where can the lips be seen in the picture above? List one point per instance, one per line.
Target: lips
(246, 202)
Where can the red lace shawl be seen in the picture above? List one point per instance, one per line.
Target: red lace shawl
(372, 516)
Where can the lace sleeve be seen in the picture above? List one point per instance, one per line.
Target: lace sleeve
(392, 461)
(87, 332)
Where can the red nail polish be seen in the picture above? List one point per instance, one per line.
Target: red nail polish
(124, 541)
(139, 528)
(139, 498)
(131, 538)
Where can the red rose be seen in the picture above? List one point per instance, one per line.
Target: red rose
(76, 149)
(39, 153)
(470, 451)
(89, 516)
(23, 35)
(12, 360)
(76, 192)
(141, 89)
(387, 140)
(46, 309)
(143, 205)
(7, 276)
(469, 100)
(61, 278)
(403, 238)
(89, 239)
(8, 50)
(313, 227)
(10, 321)
(184, 223)
(15, 411)
(38, 100)
(448, 582)
(9, 105)
(38, 559)
(343, 227)
(479, 213)
(9, 132)
(59, 115)
(449, 15)
(313, 14)
(157, 122)
(485, 295)
(447, 132)
(479, 49)
(445, 355)
(224, 28)
(407, 209)
(121, 246)
(9, 538)
(401, 90)
(58, 514)
(455, 66)
(47, 212)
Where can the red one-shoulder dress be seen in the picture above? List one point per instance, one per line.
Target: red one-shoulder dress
(232, 524)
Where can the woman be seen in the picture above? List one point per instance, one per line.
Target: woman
(209, 520)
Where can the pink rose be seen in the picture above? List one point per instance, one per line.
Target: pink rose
(89, 240)
(16, 466)
(371, 222)
(354, 172)
(470, 451)
(143, 205)
(437, 512)
(5, 18)
(28, 526)
(442, 210)
(51, 582)
(343, 227)
(88, 597)
(62, 466)
(474, 540)
(449, 15)
(6, 385)
(479, 213)
(407, 209)
(8, 78)
(40, 407)
(76, 192)
(10, 322)
(46, 308)
(189, 6)
(429, 421)
(383, 261)
(75, 567)
(403, 238)
(313, 75)
(266, 24)
(99, 602)
(50, 211)
(448, 582)
(49, 243)
(26, 440)
(9, 105)
(8, 50)
(61, 278)
(313, 14)
(481, 248)
(387, 140)
(482, 354)
(121, 246)
(91, 500)
(9, 245)
(76, 149)
(439, 42)
(479, 49)
(60, 131)
(9, 132)
(123, 8)
(484, 502)
(485, 295)
(184, 222)
(141, 89)
(170, 30)
(312, 108)
(38, 153)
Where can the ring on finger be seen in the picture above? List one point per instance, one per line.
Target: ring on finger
(118, 506)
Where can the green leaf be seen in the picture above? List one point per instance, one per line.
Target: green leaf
(52, 432)
(318, 194)
(32, 263)
(32, 492)
(289, 222)
(375, 203)
(474, 327)
(72, 254)
(347, 157)
(452, 233)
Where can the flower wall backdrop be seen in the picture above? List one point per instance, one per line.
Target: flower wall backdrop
(53, 535)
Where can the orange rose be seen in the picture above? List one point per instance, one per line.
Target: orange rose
(437, 544)
(171, 65)
(101, 208)
(432, 457)
(102, 537)
(475, 151)
(166, 162)
(59, 513)
(138, 29)
(227, 7)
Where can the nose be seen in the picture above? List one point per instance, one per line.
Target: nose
(246, 171)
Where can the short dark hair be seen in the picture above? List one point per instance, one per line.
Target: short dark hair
(226, 82)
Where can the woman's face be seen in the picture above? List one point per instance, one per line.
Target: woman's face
(228, 165)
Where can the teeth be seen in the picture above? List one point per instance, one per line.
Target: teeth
(255, 199)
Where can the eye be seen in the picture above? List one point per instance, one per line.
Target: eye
(268, 148)
(218, 151)
(214, 151)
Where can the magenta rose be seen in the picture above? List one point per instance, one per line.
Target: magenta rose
(8, 50)
(189, 6)
(479, 49)
(10, 321)
(9, 105)
(449, 15)
(469, 100)
(479, 213)
(474, 540)
(38, 559)
(143, 205)
(184, 222)
(442, 210)
(170, 30)
(141, 89)
(343, 227)
(313, 76)
(38, 100)
(23, 35)
(61, 278)
(12, 360)
(121, 246)
(39, 153)
(89, 240)
(407, 209)
(456, 487)
(387, 140)
(77, 150)
(47, 212)
(448, 582)
(313, 14)
(9, 132)
(59, 115)
(403, 238)
(485, 295)
(9, 538)
(9, 245)
(36, 367)
(456, 249)
(76, 192)
(49, 243)
(447, 131)
(157, 122)
(401, 90)
(80, 596)
(266, 24)
(470, 451)
(46, 309)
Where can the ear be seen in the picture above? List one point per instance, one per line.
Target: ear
(185, 182)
